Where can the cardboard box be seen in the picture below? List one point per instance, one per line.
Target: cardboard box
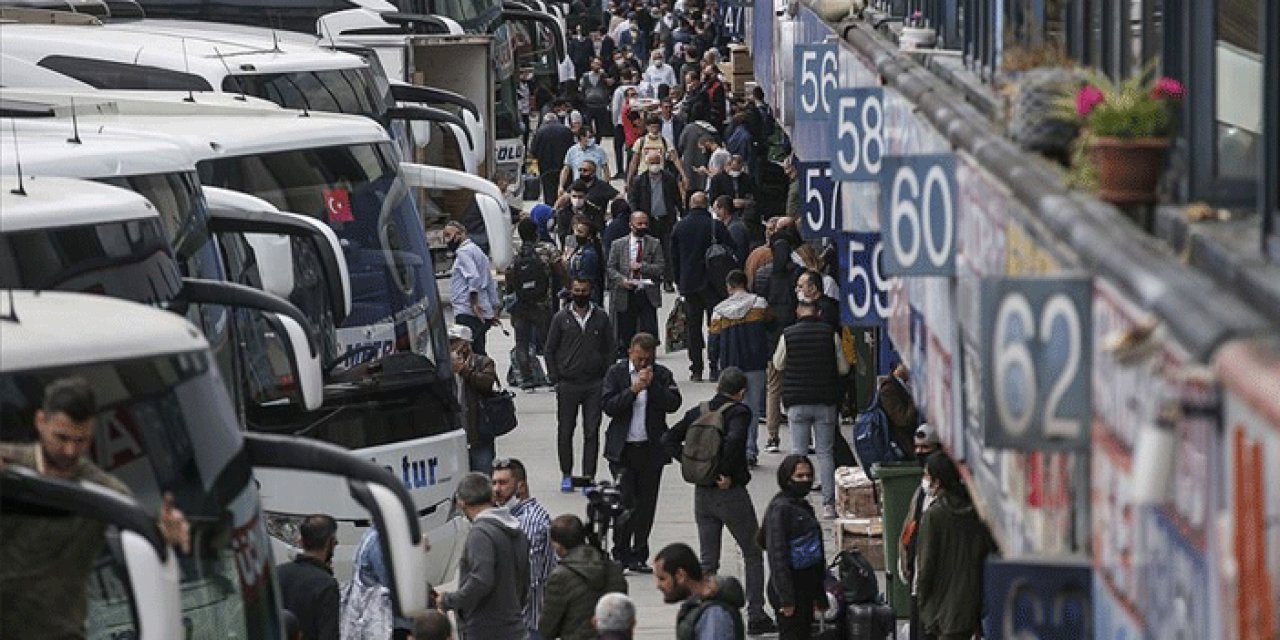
(740, 59)
(855, 494)
(864, 534)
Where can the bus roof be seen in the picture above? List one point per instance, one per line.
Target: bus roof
(50, 202)
(211, 56)
(49, 147)
(58, 329)
(211, 125)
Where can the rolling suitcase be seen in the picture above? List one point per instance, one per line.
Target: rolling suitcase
(871, 621)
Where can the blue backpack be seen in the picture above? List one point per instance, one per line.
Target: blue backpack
(871, 438)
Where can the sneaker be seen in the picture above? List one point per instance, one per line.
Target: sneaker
(761, 626)
(667, 286)
(752, 462)
(695, 376)
(773, 446)
(829, 512)
(566, 484)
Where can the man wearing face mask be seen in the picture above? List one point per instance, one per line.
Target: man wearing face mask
(596, 92)
(473, 291)
(575, 206)
(926, 442)
(738, 185)
(659, 72)
(579, 349)
(474, 375)
(809, 288)
(657, 191)
(307, 586)
(634, 269)
(598, 192)
(550, 145)
(579, 154)
(511, 490)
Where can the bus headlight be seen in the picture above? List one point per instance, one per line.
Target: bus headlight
(285, 527)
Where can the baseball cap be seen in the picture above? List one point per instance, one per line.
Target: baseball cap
(460, 332)
(925, 434)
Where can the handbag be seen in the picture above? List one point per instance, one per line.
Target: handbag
(496, 414)
(806, 551)
(677, 328)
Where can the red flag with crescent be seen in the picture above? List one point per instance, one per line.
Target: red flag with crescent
(338, 204)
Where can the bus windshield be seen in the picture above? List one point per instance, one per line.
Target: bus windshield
(353, 91)
(164, 426)
(358, 191)
(130, 259)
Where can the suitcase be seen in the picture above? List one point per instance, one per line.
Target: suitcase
(871, 621)
(532, 187)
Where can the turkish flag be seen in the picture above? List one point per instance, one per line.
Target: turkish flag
(337, 203)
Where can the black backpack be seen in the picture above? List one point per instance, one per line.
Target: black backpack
(857, 577)
(719, 261)
(531, 277)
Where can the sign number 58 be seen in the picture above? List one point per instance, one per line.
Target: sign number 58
(857, 132)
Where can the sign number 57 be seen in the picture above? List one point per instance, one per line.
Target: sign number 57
(816, 67)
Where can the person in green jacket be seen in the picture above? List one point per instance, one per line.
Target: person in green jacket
(584, 574)
(953, 545)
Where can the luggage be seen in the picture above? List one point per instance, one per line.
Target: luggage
(538, 378)
(870, 621)
(857, 577)
(496, 414)
(677, 328)
(532, 187)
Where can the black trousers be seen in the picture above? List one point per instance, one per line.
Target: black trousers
(570, 396)
(619, 147)
(639, 478)
(806, 589)
(550, 185)
(640, 317)
(478, 328)
(661, 229)
(698, 307)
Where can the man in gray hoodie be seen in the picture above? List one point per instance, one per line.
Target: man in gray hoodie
(493, 574)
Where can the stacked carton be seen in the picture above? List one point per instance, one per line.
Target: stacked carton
(859, 526)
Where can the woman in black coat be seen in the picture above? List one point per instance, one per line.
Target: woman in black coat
(789, 522)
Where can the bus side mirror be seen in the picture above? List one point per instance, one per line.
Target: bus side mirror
(303, 361)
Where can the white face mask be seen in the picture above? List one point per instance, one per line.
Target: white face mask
(577, 202)
(927, 487)
(655, 169)
(733, 173)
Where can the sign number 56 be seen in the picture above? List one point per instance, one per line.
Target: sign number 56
(815, 74)
(1037, 362)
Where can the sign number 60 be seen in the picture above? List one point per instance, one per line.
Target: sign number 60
(918, 214)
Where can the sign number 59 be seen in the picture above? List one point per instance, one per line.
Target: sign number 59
(1037, 359)
(815, 73)
(857, 129)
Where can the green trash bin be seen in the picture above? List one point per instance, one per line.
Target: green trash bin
(898, 482)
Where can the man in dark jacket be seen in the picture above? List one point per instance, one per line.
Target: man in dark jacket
(550, 143)
(584, 574)
(740, 327)
(475, 375)
(657, 193)
(722, 209)
(726, 503)
(811, 361)
(599, 192)
(690, 240)
(493, 573)
(579, 350)
(809, 287)
(638, 395)
(709, 605)
(899, 406)
(307, 585)
(735, 183)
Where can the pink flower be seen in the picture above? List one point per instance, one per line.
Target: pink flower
(1168, 88)
(1087, 99)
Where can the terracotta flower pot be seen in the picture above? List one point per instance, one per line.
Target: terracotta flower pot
(1128, 168)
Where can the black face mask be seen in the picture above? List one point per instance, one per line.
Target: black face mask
(582, 240)
(799, 489)
(453, 244)
(582, 301)
(639, 233)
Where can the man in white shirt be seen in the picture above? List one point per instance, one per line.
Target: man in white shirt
(659, 72)
(638, 395)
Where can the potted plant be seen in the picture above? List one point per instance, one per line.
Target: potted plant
(1129, 126)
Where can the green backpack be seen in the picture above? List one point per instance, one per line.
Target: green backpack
(700, 456)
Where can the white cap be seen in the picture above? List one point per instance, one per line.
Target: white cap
(460, 332)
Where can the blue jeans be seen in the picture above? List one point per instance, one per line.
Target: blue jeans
(821, 419)
(754, 401)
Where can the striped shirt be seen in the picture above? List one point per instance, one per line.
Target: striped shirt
(535, 523)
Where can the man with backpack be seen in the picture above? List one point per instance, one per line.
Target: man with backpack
(899, 407)
(530, 280)
(711, 444)
(709, 605)
(702, 257)
(493, 573)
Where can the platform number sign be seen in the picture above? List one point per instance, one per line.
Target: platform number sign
(918, 214)
(857, 133)
(864, 291)
(816, 78)
(821, 214)
(1037, 353)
